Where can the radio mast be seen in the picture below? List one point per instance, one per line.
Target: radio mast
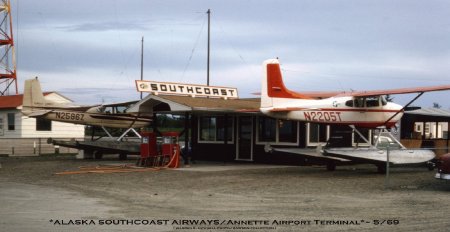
(8, 75)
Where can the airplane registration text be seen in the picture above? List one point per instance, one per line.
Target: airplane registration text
(324, 116)
(69, 116)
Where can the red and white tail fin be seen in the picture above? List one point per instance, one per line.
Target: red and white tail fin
(272, 85)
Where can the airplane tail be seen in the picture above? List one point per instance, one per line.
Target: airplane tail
(272, 85)
(33, 99)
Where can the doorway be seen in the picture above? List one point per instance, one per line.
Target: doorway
(244, 148)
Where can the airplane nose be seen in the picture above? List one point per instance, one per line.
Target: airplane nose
(394, 106)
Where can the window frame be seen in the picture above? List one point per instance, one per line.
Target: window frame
(8, 121)
(277, 133)
(315, 144)
(199, 129)
(40, 121)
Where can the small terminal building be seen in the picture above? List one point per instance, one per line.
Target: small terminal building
(426, 128)
(228, 128)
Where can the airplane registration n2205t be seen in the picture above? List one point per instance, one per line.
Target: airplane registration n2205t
(367, 109)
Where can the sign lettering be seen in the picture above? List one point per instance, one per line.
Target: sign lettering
(323, 116)
(185, 89)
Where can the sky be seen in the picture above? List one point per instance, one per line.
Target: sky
(90, 51)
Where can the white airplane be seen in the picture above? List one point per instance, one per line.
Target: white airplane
(104, 116)
(368, 109)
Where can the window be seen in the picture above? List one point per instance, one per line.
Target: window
(358, 141)
(287, 131)
(418, 130)
(372, 101)
(429, 132)
(43, 124)
(349, 103)
(11, 121)
(317, 133)
(277, 131)
(212, 129)
(442, 130)
(267, 130)
(359, 102)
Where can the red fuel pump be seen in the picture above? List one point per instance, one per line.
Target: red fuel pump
(171, 149)
(149, 149)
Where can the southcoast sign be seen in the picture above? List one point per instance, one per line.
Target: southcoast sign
(167, 88)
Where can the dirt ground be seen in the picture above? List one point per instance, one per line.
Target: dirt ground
(218, 197)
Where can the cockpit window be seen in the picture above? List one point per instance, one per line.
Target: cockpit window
(359, 102)
(349, 103)
(366, 102)
(373, 101)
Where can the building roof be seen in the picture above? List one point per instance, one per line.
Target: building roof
(196, 104)
(13, 101)
(430, 112)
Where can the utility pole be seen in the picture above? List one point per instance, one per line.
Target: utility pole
(142, 61)
(209, 28)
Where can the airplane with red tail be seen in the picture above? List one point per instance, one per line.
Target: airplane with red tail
(368, 109)
(357, 109)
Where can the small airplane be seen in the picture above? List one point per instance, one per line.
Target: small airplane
(363, 109)
(110, 115)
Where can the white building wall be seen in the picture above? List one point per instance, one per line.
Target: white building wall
(59, 130)
(5, 133)
(25, 140)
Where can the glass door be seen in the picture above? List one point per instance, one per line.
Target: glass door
(245, 138)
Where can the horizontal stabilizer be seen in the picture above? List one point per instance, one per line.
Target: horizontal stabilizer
(39, 113)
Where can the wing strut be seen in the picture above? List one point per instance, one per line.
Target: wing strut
(359, 133)
(404, 107)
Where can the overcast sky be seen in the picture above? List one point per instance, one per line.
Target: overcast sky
(90, 50)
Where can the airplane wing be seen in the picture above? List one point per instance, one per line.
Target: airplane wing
(309, 153)
(395, 91)
(377, 156)
(121, 104)
(316, 94)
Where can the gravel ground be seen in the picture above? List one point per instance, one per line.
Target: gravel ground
(218, 197)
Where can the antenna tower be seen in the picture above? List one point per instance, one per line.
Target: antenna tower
(8, 75)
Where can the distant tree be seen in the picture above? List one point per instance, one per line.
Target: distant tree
(436, 105)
